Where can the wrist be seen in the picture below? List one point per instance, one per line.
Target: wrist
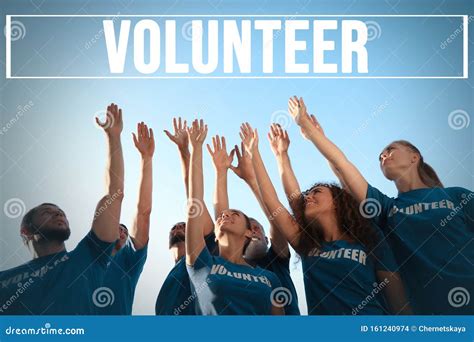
(184, 150)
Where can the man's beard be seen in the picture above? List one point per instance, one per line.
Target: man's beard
(53, 234)
(256, 249)
(175, 239)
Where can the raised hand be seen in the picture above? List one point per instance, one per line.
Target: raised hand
(113, 124)
(180, 135)
(197, 133)
(244, 168)
(144, 140)
(279, 140)
(249, 138)
(220, 158)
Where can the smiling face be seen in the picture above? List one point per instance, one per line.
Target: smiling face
(123, 236)
(233, 222)
(177, 234)
(396, 160)
(318, 201)
(45, 222)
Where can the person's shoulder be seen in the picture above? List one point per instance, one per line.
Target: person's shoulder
(14, 270)
(458, 191)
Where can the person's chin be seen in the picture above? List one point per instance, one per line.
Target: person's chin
(56, 234)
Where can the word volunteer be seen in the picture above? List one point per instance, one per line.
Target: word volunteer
(236, 40)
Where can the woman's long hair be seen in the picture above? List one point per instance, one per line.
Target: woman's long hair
(427, 174)
(348, 216)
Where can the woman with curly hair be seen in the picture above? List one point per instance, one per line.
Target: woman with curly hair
(430, 228)
(345, 270)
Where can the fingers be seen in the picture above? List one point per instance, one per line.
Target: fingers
(135, 141)
(237, 152)
(152, 136)
(169, 135)
(209, 149)
(175, 126)
(231, 155)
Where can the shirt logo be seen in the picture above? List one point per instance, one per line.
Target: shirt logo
(345, 253)
(221, 270)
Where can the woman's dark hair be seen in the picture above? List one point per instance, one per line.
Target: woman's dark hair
(348, 216)
(425, 171)
(248, 225)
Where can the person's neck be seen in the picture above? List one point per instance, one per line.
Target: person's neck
(330, 228)
(409, 181)
(230, 248)
(44, 248)
(178, 251)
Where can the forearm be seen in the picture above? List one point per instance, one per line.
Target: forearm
(185, 159)
(277, 213)
(288, 178)
(141, 227)
(221, 197)
(115, 166)
(194, 226)
(348, 174)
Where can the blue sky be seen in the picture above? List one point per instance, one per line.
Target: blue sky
(54, 152)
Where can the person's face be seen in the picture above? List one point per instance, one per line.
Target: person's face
(318, 201)
(396, 159)
(232, 221)
(123, 236)
(49, 223)
(177, 233)
(257, 231)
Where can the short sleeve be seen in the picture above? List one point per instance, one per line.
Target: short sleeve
(275, 281)
(466, 200)
(93, 250)
(377, 206)
(273, 257)
(211, 243)
(204, 260)
(131, 259)
(383, 255)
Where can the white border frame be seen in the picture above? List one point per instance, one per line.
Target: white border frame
(8, 45)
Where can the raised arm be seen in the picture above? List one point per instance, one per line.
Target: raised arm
(279, 143)
(107, 214)
(145, 143)
(348, 174)
(284, 221)
(180, 138)
(195, 220)
(246, 171)
(222, 161)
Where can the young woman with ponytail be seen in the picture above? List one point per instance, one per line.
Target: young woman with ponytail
(429, 227)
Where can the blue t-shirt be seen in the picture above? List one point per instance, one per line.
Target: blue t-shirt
(431, 232)
(220, 287)
(281, 267)
(121, 279)
(341, 278)
(57, 284)
(175, 297)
